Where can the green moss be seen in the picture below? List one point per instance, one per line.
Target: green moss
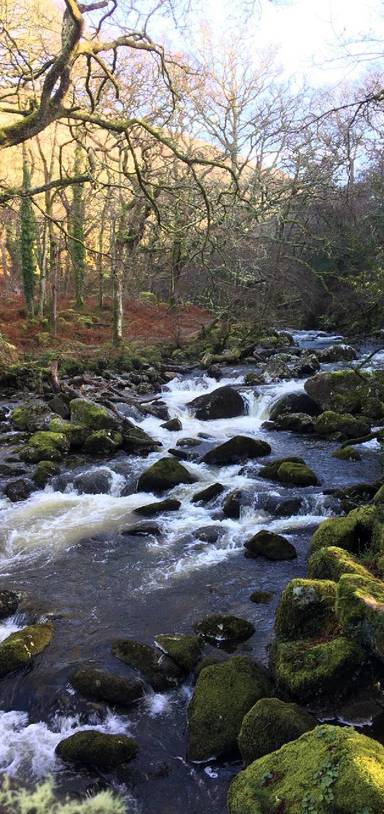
(224, 693)
(332, 563)
(270, 470)
(346, 454)
(379, 496)
(75, 432)
(18, 649)
(353, 532)
(31, 416)
(164, 474)
(45, 446)
(103, 442)
(161, 672)
(93, 416)
(306, 609)
(44, 471)
(340, 425)
(307, 669)
(289, 471)
(269, 724)
(347, 391)
(42, 800)
(96, 750)
(329, 769)
(360, 610)
(184, 649)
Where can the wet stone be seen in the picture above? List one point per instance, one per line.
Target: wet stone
(161, 506)
(9, 602)
(161, 672)
(205, 495)
(271, 546)
(102, 685)
(221, 629)
(143, 530)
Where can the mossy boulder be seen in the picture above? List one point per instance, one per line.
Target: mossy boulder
(306, 609)
(290, 471)
(270, 545)
(237, 449)
(222, 628)
(45, 446)
(269, 724)
(308, 669)
(223, 694)
(138, 442)
(295, 422)
(352, 532)
(161, 672)
(19, 649)
(379, 495)
(337, 353)
(161, 506)
(102, 685)
(340, 426)
(164, 474)
(96, 750)
(93, 416)
(45, 470)
(346, 454)
(348, 391)
(183, 649)
(208, 494)
(75, 432)
(103, 442)
(332, 562)
(224, 402)
(31, 416)
(329, 769)
(9, 603)
(360, 610)
(293, 403)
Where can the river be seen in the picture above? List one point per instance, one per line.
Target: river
(67, 554)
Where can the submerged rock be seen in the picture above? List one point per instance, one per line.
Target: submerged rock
(270, 545)
(102, 685)
(232, 504)
(269, 724)
(18, 649)
(9, 603)
(164, 474)
(93, 482)
(96, 750)
(307, 669)
(261, 597)
(143, 530)
(327, 769)
(346, 454)
(237, 449)
(183, 649)
(306, 609)
(161, 506)
(209, 534)
(161, 672)
(224, 693)
(205, 495)
(222, 628)
(225, 402)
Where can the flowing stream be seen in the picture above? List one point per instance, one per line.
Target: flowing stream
(68, 554)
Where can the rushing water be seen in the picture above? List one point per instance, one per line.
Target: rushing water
(68, 555)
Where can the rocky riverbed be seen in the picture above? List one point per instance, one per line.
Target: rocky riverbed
(151, 526)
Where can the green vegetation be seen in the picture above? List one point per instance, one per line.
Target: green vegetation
(43, 800)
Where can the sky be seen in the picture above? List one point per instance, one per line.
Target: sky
(310, 34)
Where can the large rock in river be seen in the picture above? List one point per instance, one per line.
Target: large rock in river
(93, 416)
(18, 649)
(349, 391)
(270, 545)
(341, 426)
(161, 672)
(96, 750)
(102, 685)
(269, 725)
(329, 769)
(31, 416)
(237, 449)
(224, 693)
(293, 403)
(164, 474)
(225, 402)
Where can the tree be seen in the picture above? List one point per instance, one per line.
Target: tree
(76, 225)
(27, 241)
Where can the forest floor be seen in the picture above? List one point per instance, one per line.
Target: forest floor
(88, 330)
